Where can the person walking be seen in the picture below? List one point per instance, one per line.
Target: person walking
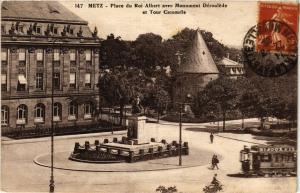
(211, 138)
(214, 162)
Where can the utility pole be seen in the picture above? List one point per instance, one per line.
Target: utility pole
(179, 54)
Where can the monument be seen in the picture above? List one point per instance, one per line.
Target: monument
(137, 146)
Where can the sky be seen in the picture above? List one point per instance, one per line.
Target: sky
(228, 25)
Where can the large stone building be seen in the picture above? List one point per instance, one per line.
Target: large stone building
(195, 72)
(231, 68)
(37, 35)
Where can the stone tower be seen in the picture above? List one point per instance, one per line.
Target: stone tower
(195, 72)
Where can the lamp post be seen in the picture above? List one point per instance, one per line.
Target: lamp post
(179, 54)
(52, 185)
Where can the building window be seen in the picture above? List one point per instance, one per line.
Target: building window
(20, 29)
(39, 112)
(21, 82)
(22, 115)
(39, 81)
(4, 115)
(40, 57)
(72, 80)
(3, 82)
(55, 30)
(57, 111)
(56, 81)
(87, 111)
(38, 29)
(87, 80)
(2, 29)
(88, 57)
(22, 57)
(72, 111)
(71, 31)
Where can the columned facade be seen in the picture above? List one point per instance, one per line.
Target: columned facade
(33, 45)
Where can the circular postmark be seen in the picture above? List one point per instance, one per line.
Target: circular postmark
(270, 48)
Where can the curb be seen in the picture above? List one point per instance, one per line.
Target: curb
(20, 141)
(240, 140)
(109, 171)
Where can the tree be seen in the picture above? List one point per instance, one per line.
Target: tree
(148, 52)
(220, 94)
(115, 52)
(114, 88)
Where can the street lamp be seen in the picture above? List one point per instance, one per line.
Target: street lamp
(179, 54)
(52, 185)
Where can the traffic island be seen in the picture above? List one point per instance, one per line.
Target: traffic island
(126, 151)
(137, 146)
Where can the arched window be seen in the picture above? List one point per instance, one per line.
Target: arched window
(57, 112)
(22, 113)
(72, 111)
(87, 110)
(39, 113)
(4, 115)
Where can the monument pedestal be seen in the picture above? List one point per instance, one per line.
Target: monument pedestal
(137, 131)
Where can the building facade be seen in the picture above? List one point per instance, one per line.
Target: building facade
(47, 51)
(195, 71)
(231, 68)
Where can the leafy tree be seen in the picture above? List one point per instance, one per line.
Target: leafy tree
(220, 94)
(148, 52)
(115, 52)
(114, 88)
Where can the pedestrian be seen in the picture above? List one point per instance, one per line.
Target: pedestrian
(214, 162)
(211, 138)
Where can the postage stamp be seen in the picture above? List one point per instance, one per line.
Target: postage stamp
(270, 47)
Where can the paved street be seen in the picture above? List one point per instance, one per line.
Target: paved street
(20, 173)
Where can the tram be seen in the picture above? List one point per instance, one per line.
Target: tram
(263, 160)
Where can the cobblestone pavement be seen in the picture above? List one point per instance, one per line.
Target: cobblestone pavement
(21, 174)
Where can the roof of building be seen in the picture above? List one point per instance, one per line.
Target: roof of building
(38, 10)
(198, 58)
(228, 62)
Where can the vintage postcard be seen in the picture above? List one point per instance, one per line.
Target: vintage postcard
(149, 96)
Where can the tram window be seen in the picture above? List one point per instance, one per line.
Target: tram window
(265, 158)
(290, 158)
(278, 157)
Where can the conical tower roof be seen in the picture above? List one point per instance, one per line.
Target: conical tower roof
(198, 58)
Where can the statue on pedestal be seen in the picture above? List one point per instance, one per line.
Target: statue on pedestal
(137, 108)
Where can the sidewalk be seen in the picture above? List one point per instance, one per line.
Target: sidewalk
(7, 141)
(162, 122)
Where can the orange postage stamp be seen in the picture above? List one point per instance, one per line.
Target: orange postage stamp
(278, 29)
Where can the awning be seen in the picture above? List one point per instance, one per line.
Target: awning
(39, 57)
(56, 56)
(72, 57)
(88, 57)
(22, 79)
(87, 78)
(3, 56)
(3, 78)
(72, 78)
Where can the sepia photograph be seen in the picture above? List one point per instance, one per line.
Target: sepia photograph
(149, 96)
